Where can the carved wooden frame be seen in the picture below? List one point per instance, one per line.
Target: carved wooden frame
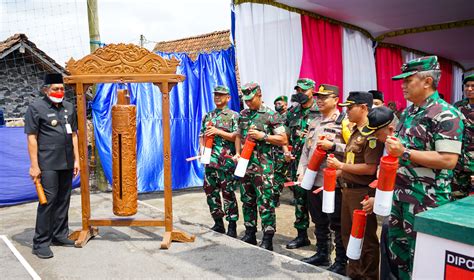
(121, 63)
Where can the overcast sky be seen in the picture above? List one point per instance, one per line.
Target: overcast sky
(59, 27)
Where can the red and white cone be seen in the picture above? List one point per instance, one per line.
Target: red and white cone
(354, 247)
(329, 190)
(312, 171)
(206, 155)
(244, 159)
(385, 185)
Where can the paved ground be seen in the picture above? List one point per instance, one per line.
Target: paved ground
(133, 253)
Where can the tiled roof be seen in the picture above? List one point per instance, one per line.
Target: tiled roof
(22, 38)
(218, 40)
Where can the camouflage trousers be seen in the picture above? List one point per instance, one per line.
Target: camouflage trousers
(217, 180)
(256, 192)
(281, 176)
(301, 204)
(301, 208)
(461, 185)
(402, 237)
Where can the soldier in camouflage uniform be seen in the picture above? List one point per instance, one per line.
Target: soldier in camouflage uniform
(265, 127)
(429, 142)
(281, 165)
(462, 181)
(222, 123)
(297, 121)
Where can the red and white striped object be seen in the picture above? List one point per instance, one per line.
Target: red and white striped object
(244, 159)
(385, 185)
(354, 247)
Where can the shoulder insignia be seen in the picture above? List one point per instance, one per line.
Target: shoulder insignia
(372, 143)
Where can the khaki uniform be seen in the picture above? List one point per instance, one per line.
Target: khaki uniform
(360, 149)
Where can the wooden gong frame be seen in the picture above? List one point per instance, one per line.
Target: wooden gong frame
(120, 63)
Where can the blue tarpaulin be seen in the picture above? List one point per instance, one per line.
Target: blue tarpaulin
(189, 102)
(15, 183)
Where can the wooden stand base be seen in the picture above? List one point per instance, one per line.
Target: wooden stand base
(82, 236)
(175, 235)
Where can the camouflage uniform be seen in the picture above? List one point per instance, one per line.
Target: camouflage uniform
(257, 186)
(433, 126)
(298, 119)
(282, 169)
(465, 168)
(218, 173)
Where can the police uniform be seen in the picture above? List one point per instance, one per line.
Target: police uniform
(218, 173)
(331, 128)
(56, 162)
(297, 120)
(361, 148)
(435, 125)
(257, 186)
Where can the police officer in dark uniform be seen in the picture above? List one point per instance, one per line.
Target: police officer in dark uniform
(51, 126)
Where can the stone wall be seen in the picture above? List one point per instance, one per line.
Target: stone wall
(21, 77)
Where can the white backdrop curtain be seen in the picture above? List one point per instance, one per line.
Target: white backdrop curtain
(457, 84)
(269, 48)
(359, 62)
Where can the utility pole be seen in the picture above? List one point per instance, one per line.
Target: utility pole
(94, 41)
(142, 40)
(93, 18)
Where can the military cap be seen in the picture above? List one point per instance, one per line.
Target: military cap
(421, 64)
(281, 98)
(221, 89)
(325, 89)
(379, 118)
(305, 84)
(53, 78)
(358, 97)
(249, 90)
(376, 94)
(468, 78)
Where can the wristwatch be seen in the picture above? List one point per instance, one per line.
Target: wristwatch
(406, 155)
(265, 137)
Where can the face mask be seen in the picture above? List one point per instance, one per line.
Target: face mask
(56, 96)
(301, 98)
(279, 108)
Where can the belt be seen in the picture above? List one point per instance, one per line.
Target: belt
(350, 185)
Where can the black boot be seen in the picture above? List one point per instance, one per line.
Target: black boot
(321, 258)
(232, 229)
(267, 242)
(339, 266)
(249, 236)
(300, 241)
(218, 226)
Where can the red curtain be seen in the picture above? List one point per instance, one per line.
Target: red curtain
(388, 63)
(445, 86)
(322, 52)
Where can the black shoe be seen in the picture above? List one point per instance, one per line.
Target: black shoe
(43, 253)
(66, 242)
(300, 241)
(338, 267)
(218, 226)
(232, 229)
(249, 236)
(267, 242)
(318, 259)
